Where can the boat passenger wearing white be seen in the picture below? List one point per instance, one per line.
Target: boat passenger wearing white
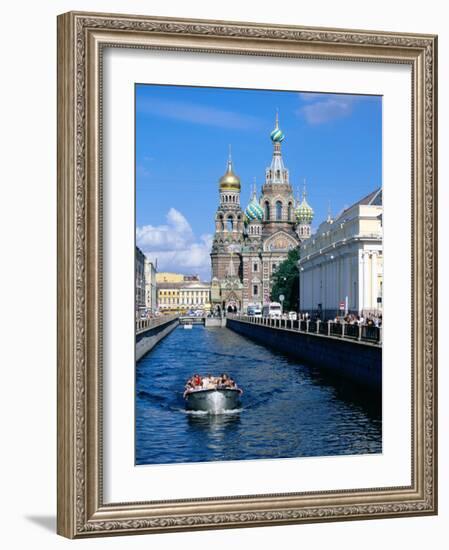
(208, 382)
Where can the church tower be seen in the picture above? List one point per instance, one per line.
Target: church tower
(248, 247)
(304, 216)
(227, 243)
(254, 217)
(277, 199)
(252, 253)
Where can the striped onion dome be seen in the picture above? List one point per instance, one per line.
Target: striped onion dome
(304, 212)
(277, 135)
(254, 211)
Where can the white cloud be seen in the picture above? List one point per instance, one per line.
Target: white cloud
(325, 110)
(309, 96)
(198, 114)
(175, 246)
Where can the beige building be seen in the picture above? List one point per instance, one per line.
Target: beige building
(341, 266)
(182, 296)
(167, 277)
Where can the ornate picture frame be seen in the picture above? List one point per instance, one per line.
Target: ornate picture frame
(82, 38)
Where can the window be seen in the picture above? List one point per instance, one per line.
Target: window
(273, 267)
(289, 211)
(230, 223)
(267, 211)
(256, 267)
(278, 210)
(255, 290)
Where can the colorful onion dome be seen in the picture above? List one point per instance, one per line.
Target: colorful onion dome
(304, 212)
(230, 181)
(254, 211)
(277, 135)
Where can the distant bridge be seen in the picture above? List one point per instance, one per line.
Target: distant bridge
(187, 320)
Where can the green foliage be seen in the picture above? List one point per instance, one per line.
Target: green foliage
(286, 281)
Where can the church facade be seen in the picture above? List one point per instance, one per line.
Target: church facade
(249, 244)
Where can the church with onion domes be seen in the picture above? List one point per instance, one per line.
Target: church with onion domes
(249, 245)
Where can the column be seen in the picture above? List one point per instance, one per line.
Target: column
(366, 281)
(374, 279)
(360, 281)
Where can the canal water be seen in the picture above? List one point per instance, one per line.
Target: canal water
(288, 409)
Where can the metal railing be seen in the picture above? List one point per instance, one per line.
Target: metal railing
(359, 333)
(143, 325)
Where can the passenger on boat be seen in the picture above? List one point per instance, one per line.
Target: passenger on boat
(225, 381)
(209, 382)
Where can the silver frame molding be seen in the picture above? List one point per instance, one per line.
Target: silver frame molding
(81, 38)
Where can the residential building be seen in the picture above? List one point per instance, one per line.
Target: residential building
(150, 286)
(140, 281)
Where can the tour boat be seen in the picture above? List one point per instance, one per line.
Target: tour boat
(215, 400)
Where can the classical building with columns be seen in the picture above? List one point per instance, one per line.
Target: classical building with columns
(249, 244)
(341, 265)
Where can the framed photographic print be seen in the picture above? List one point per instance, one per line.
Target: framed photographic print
(246, 276)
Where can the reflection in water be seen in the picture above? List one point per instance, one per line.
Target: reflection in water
(288, 409)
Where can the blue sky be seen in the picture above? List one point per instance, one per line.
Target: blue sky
(182, 139)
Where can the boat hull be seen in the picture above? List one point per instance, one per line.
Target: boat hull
(213, 401)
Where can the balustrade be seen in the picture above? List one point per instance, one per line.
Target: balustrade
(364, 333)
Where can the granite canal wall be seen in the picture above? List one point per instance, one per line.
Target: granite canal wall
(361, 362)
(150, 332)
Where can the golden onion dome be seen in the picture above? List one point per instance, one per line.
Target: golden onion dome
(230, 181)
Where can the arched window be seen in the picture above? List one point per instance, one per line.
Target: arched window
(230, 223)
(267, 211)
(221, 222)
(278, 211)
(289, 211)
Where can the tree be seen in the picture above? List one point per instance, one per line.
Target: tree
(286, 281)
